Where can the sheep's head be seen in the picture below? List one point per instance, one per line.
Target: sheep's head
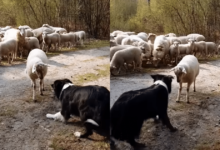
(39, 69)
(22, 31)
(176, 44)
(180, 72)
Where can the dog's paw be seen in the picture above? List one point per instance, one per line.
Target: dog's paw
(77, 134)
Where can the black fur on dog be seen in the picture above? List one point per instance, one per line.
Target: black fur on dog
(87, 102)
(133, 107)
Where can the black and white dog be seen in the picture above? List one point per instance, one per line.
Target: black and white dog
(133, 107)
(90, 103)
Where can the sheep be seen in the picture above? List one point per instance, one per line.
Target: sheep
(146, 47)
(185, 49)
(114, 49)
(36, 67)
(80, 36)
(173, 39)
(197, 37)
(131, 55)
(25, 26)
(211, 48)
(143, 36)
(161, 49)
(29, 33)
(183, 39)
(115, 33)
(31, 43)
(174, 51)
(68, 37)
(130, 40)
(57, 29)
(5, 28)
(48, 39)
(151, 38)
(119, 39)
(18, 35)
(200, 47)
(113, 43)
(186, 72)
(39, 31)
(170, 35)
(8, 47)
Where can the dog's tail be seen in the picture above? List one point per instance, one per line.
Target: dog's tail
(92, 122)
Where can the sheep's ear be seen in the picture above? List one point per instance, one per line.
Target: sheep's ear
(184, 70)
(34, 69)
(172, 69)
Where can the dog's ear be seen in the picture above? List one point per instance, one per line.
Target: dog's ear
(154, 76)
(52, 85)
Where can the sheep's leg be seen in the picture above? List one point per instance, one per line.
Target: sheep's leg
(9, 62)
(40, 88)
(195, 85)
(43, 85)
(179, 92)
(34, 88)
(187, 92)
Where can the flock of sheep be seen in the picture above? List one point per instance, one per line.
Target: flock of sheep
(130, 48)
(23, 39)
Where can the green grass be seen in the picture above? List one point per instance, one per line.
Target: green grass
(101, 71)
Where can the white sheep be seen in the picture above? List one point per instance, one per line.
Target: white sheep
(185, 49)
(143, 36)
(116, 32)
(174, 51)
(197, 37)
(80, 36)
(39, 31)
(200, 47)
(170, 35)
(31, 43)
(8, 48)
(67, 38)
(130, 40)
(49, 39)
(131, 55)
(37, 68)
(186, 72)
(151, 38)
(119, 38)
(173, 39)
(211, 48)
(18, 35)
(183, 39)
(161, 49)
(56, 29)
(114, 49)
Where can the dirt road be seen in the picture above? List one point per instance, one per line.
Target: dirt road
(198, 123)
(23, 123)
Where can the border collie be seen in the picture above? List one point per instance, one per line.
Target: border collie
(133, 107)
(90, 103)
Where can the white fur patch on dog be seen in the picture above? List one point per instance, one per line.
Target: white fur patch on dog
(77, 134)
(58, 116)
(161, 83)
(92, 122)
(66, 86)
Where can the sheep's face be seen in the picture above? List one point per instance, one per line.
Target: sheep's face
(179, 72)
(22, 32)
(39, 69)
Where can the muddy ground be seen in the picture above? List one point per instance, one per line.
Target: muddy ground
(198, 123)
(23, 123)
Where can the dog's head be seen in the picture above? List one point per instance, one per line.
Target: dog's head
(167, 79)
(58, 86)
